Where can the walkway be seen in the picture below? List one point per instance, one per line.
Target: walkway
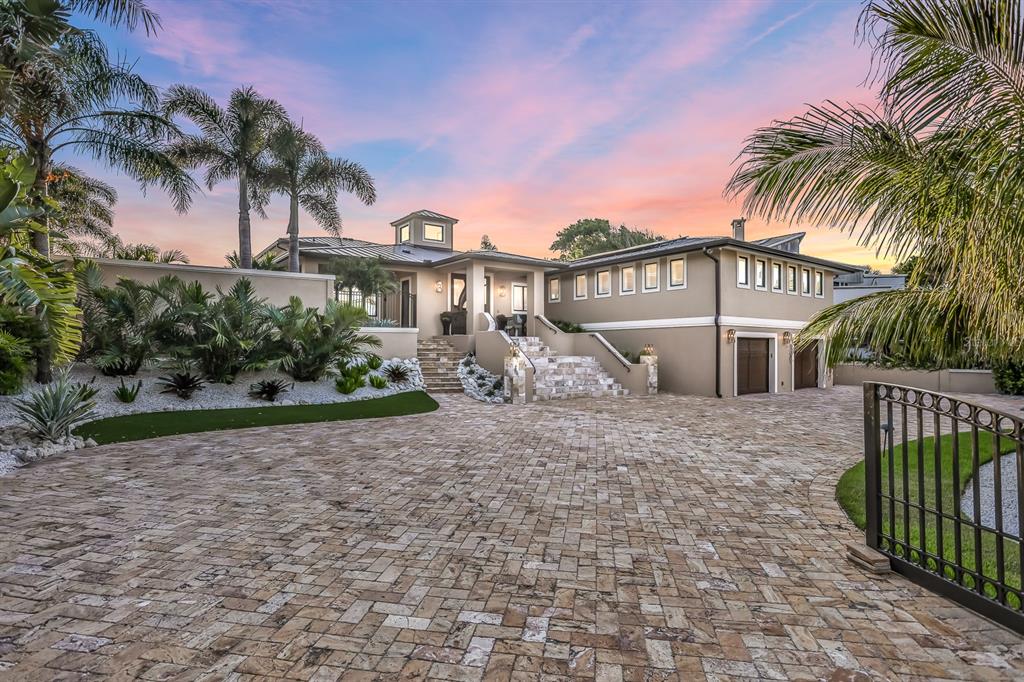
(636, 538)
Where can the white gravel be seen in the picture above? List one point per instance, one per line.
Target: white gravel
(987, 488)
(477, 382)
(150, 399)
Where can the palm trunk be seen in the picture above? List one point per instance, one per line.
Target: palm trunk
(244, 227)
(41, 243)
(293, 234)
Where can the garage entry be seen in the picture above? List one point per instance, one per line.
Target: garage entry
(752, 356)
(805, 368)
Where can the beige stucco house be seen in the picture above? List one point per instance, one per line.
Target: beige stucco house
(701, 302)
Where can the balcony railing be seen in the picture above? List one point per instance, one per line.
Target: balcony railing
(939, 472)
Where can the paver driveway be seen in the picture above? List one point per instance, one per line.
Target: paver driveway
(659, 538)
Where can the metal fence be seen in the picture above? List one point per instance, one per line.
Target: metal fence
(398, 308)
(944, 488)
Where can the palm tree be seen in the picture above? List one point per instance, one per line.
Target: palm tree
(267, 261)
(85, 103)
(301, 170)
(118, 249)
(84, 218)
(936, 170)
(366, 275)
(231, 144)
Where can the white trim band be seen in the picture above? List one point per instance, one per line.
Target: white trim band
(705, 321)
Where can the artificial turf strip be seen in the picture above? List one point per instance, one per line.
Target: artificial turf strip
(850, 495)
(155, 424)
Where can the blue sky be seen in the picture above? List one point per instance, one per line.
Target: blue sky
(517, 118)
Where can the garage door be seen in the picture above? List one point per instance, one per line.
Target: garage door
(806, 368)
(751, 366)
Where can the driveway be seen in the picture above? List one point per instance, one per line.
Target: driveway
(638, 538)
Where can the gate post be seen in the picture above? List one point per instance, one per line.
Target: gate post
(872, 465)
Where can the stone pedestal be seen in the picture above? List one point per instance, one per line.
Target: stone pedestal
(651, 361)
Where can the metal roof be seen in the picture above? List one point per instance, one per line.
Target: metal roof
(512, 258)
(774, 242)
(684, 244)
(429, 215)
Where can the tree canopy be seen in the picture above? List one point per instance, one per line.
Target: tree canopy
(595, 235)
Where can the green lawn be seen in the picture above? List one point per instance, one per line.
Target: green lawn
(156, 424)
(850, 494)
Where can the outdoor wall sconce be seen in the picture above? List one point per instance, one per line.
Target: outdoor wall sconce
(730, 336)
(648, 349)
(787, 338)
(501, 291)
(438, 286)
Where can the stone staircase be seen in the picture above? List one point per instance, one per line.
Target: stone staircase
(566, 376)
(439, 362)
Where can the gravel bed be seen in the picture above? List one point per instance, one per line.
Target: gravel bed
(478, 383)
(987, 487)
(17, 444)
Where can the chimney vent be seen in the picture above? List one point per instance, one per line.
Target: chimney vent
(739, 231)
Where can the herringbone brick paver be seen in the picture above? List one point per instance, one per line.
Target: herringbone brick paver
(642, 538)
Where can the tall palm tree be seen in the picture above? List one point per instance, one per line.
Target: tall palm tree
(81, 102)
(84, 218)
(231, 143)
(936, 170)
(301, 170)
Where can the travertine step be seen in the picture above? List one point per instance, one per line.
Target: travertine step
(439, 363)
(558, 377)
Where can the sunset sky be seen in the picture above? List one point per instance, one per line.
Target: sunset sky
(516, 118)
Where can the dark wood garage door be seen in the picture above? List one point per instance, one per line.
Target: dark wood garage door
(751, 366)
(805, 370)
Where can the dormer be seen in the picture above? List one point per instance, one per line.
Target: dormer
(425, 228)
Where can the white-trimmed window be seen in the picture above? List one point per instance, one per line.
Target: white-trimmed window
(777, 277)
(404, 234)
(819, 284)
(760, 274)
(627, 280)
(677, 273)
(519, 298)
(805, 282)
(603, 284)
(433, 233)
(580, 287)
(743, 271)
(791, 279)
(651, 276)
(555, 289)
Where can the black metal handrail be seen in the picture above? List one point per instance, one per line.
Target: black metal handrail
(909, 482)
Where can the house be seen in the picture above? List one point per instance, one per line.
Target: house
(701, 302)
(853, 285)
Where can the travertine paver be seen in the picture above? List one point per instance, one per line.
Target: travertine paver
(638, 538)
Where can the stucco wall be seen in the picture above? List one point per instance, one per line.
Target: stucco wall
(946, 381)
(276, 287)
(395, 342)
(753, 302)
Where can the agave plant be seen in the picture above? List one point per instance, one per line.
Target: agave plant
(269, 389)
(308, 342)
(181, 384)
(396, 372)
(57, 408)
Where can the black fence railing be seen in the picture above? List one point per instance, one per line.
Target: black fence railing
(397, 309)
(944, 483)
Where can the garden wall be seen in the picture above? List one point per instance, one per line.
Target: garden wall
(396, 342)
(945, 381)
(276, 287)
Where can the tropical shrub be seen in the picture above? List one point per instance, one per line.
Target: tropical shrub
(127, 394)
(397, 373)
(378, 381)
(182, 384)
(348, 383)
(568, 327)
(307, 342)
(120, 322)
(14, 354)
(55, 409)
(1009, 377)
(269, 389)
(374, 361)
(226, 335)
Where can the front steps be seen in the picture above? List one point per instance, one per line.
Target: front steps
(439, 362)
(558, 377)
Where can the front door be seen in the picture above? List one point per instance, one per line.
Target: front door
(751, 366)
(805, 369)
(406, 314)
